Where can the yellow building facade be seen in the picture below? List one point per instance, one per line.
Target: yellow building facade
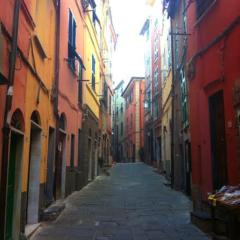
(39, 114)
(92, 91)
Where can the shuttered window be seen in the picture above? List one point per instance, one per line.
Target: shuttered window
(71, 40)
(93, 73)
(184, 99)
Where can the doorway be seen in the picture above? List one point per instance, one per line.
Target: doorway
(34, 173)
(188, 162)
(89, 157)
(60, 160)
(50, 166)
(14, 186)
(218, 141)
(59, 190)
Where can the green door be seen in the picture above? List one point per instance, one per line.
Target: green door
(11, 185)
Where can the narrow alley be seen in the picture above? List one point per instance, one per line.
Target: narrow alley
(132, 203)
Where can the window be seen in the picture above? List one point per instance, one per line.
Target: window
(131, 97)
(169, 53)
(156, 108)
(95, 18)
(80, 86)
(156, 80)
(72, 151)
(203, 6)
(147, 34)
(121, 128)
(131, 120)
(71, 41)
(93, 73)
(156, 48)
(121, 108)
(156, 24)
(117, 112)
(117, 131)
(110, 105)
(79, 150)
(184, 101)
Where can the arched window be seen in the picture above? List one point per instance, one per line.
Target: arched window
(35, 117)
(62, 122)
(17, 120)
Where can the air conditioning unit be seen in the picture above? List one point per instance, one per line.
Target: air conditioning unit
(85, 4)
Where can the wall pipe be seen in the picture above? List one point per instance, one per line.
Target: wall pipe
(56, 92)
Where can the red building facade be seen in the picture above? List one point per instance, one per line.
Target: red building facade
(69, 95)
(134, 119)
(213, 59)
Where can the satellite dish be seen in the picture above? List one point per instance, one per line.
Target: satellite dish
(85, 4)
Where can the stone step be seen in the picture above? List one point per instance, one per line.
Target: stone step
(53, 211)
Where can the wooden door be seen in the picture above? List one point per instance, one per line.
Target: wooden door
(14, 187)
(218, 141)
(11, 186)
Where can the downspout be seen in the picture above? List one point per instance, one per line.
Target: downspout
(173, 105)
(56, 74)
(6, 123)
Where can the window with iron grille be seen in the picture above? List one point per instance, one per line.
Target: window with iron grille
(93, 73)
(203, 6)
(71, 41)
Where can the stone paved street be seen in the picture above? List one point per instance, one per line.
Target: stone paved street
(130, 204)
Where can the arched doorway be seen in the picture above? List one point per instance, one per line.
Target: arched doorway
(60, 165)
(14, 176)
(32, 213)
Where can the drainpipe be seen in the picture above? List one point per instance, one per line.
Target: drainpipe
(6, 123)
(173, 105)
(57, 61)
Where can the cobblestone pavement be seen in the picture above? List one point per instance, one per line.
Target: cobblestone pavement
(130, 204)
